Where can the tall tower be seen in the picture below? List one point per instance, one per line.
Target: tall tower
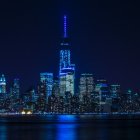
(2, 84)
(86, 86)
(65, 49)
(66, 69)
(16, 88)
(103, 89)
(47, 79)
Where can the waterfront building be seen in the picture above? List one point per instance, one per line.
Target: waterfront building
(41, 100)
(29, 99)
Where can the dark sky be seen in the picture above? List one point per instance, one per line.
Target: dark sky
(105, 38)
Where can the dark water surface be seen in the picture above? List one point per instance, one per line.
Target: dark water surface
(68, 127)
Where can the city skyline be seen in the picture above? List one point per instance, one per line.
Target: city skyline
(66, 70)
(62, 95)
(69, 69)
(26, 45)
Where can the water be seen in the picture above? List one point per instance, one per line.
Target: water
(68, 127)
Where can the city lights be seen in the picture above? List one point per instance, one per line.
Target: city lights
(61, 94)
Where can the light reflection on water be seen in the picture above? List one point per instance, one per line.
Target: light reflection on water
(3, 132)
(68, 127)
(67, 131)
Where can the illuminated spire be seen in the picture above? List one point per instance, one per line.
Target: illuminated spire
(65, 26)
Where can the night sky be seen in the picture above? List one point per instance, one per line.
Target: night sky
(105, 38)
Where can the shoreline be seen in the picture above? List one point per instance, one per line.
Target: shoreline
(69, 117)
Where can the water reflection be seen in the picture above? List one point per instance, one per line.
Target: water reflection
(3, 132)
(67, 118)
(66, 128)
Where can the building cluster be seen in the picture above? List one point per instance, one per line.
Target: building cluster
(57, 94)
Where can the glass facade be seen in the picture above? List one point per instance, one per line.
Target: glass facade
(66, 69)
(2, 84)
(47, 78)
(86, 85)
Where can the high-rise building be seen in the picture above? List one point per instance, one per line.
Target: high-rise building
(41, 90)
(2, 84)
(66, 69)
(55, 88)
(47, 78)
(67, 83)
(103, 89)
(86, 86)
(103, 95)
(41, 101)
(16, 89)
(115, 90)
(65, 61)
(29, 95)
(116, 97)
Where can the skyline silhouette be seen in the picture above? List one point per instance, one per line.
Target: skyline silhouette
(104, 38)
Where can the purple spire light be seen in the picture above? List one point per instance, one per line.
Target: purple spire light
(65, 26)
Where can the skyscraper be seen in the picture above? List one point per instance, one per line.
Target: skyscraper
(103, 89)
(66, 69)
(41, 100)
(115, 90)
(55, 88)
(86, 86)
(16, 88)
(47, 79)
(2, 84)
(65, 50)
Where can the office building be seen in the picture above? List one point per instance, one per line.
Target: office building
(2, 84)
(66, 69)
(47, 78)
(115, 90)
(16, 89)
(86, 85)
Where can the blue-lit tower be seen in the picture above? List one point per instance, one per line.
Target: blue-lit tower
(65, 50)
(66, 69)
(2, 84)
(47, 79)
(103, 89)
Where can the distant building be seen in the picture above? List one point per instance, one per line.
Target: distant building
(41, 90)
(103, 87)
(16, 89)
(66, 69)
(55, 88)
(86, 85)
(107, 105)
(67, 82)
(47, 78)
(2, 93)
(115, 90)
(41, 101)
(128, 95)
(29, 99)
(29, 95)
(2, 84)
